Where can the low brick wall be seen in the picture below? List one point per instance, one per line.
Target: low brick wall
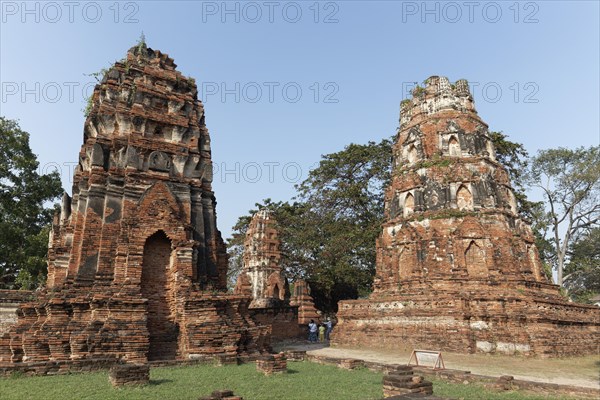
(507, 382)
(129, 374)
(466, 377)
(295, 355)
(272, 364)
(351, 363)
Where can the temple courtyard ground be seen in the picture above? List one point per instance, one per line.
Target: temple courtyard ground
(575, 371)
(304, 381)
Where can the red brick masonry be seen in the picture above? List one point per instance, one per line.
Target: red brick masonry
(457, 268)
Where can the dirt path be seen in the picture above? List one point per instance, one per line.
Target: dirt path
(576, 371)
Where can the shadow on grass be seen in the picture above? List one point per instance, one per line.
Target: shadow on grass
(292, 371)
(156, 382)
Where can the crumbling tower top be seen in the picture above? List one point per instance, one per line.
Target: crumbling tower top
(437, 95)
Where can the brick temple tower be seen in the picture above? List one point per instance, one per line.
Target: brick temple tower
(457, 268)
(135, 260)
(261, 275)
(262, 278)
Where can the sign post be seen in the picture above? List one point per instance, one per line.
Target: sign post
(427, 358)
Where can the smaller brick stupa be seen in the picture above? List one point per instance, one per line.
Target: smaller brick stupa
(262, 278)
(136, 265)
(457, 268)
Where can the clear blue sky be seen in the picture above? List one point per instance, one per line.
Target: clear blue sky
(535, 66)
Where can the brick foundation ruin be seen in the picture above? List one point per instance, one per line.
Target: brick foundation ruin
(402, 380)
(137, 268)
(272, 364)
(457, 268)
(129, 374)
(262, 278)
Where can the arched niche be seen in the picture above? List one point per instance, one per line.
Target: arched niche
(464, 198)
(409, 205)
(454, 147)
(475, 259)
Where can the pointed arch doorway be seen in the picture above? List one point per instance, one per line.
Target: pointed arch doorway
(156, 267)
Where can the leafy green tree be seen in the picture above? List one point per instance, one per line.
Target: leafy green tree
(570, 182)
(345, 209)
(582, 272)
(515, 159)
(24, 219)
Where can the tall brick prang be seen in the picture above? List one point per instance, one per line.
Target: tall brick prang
(137, 267)
(457, 268)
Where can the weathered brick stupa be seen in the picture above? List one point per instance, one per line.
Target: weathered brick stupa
(137, 268)
(457, 269)
(262, 278)
(262, 273)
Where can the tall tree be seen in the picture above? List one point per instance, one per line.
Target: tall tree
(344, 196)
(582, 272)
(515, 159)
(23, 216)
(570, 182)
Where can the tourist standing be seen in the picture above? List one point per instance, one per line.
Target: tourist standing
(329, 328)
(312, 331)
(322, 333)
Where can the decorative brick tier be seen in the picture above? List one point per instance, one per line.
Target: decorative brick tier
(129, 374)
(457, 268)
(272, 364)
(137, 267)
(9, 303)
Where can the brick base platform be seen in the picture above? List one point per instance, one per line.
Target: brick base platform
(272, 364)
(403, 381)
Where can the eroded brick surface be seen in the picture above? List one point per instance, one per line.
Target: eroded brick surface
(137, 267)
(457, 269)
(9, 303)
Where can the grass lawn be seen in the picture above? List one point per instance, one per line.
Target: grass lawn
(304, 380)
(475, 391)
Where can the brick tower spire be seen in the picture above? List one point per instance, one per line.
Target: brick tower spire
(451, 212)
(136, 266)
(457, 268)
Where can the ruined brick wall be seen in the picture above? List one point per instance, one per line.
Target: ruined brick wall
(457, 268)
(136, 263)
(282, 318)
